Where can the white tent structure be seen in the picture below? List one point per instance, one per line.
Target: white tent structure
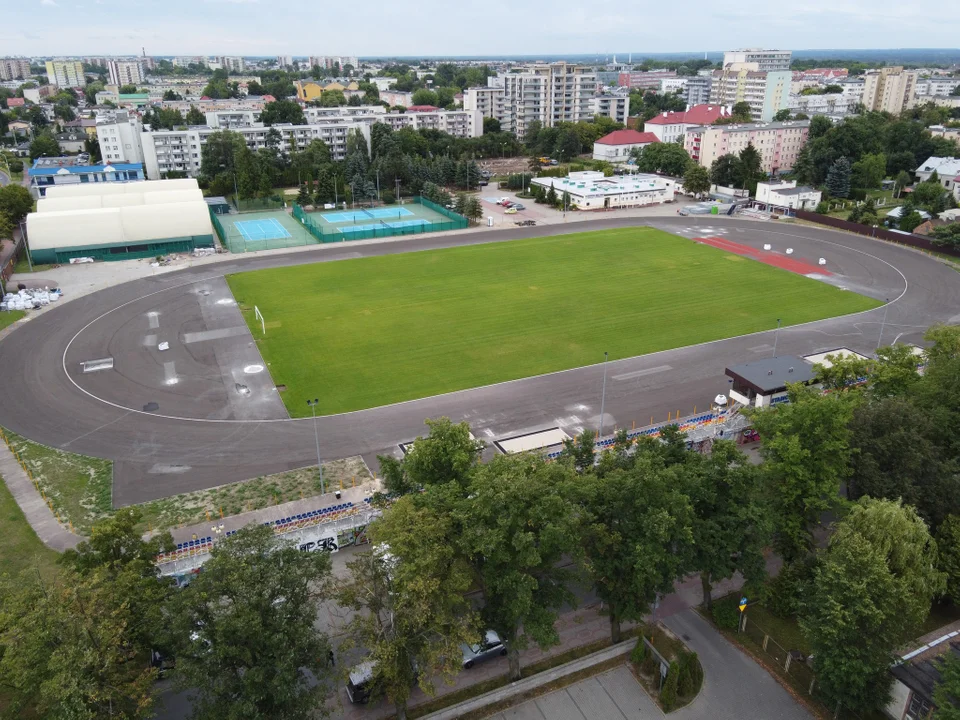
(122, 221)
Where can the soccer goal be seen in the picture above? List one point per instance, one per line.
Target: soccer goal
(257, 314)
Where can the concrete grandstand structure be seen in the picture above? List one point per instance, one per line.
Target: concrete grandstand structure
(119, 221)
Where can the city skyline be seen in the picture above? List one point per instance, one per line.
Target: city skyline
(248, 27)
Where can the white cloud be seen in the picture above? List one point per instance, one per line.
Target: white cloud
(48, 3)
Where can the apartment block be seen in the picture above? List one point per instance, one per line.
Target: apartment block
(284, 61)
(766, 60)
(66, 73)
(889, 89)
(939, 86)
(615, 107)
(779, 143)
(549, 94)
(233, 64)
(834, 105)
(120, 139)
(645, 80)
(765, 92)
(697, 90)
(125, 72)
(14, 68)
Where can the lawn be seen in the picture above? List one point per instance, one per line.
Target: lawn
(20, 548)
(9, 317)
(371, 331)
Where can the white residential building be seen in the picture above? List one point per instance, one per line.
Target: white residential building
(14, 68)
(284, 61)
(233, 64)
(187, 61)
(672, 85)
(614, 107)
(125, 72)
(766, 60)
(672, 126)
(946, 168)
(779, 143)
(66, 73)
(590, 190)
(788, 195)
(766, 92)
(120, 139)
(937, 85)
(834, 104)
(616, 147)
(548, 93)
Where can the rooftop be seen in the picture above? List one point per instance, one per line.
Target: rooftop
(772, 374)
(626, 137)
(696, 115)
(748, 127)
(944, 166)
(70, 165)
(801, 190)
(922, 675)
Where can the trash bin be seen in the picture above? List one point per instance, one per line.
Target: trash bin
(489, 220)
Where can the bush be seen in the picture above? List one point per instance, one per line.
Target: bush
(823, 207)
(726, 613)
(668, 696)
(691, 674)
(787, 590)
(857, 194)
(639, 653)
(16, 166)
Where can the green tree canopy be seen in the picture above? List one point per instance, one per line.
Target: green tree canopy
(15, 201)
(726, 171)
(44, 145)
(696, 179)
(667, 158)
(838, 179)
(282, 111)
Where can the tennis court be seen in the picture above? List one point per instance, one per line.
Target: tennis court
(361, 215)
(266, 229)
(353, 229)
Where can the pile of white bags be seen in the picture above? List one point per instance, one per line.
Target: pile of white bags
(30, 299)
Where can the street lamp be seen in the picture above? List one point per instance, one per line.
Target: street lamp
(316, 436)
(776, 337)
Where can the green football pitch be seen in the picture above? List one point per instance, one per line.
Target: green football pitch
(371, 331)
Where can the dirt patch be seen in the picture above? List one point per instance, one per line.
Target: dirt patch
(505, 166)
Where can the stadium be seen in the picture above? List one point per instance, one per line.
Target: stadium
(504, 329)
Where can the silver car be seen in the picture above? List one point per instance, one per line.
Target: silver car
(490, 646)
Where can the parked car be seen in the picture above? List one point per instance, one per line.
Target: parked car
(360, 683)
(510, 211)
(519, 206)
(483, 182)
(490, 646)
(503, 201)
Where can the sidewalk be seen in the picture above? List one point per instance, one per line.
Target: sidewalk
(36, 510)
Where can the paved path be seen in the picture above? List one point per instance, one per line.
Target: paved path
(734, 688)
(36, 510)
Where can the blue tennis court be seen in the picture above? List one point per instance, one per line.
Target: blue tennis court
(379, 225)
(266, 229)
(361, 215)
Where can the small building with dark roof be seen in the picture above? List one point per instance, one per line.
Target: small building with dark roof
(915, 679)
(762, 383)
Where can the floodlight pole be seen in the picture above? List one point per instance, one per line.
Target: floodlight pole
(603, 396)
(316, 436)
(776, 337)
(884, 323)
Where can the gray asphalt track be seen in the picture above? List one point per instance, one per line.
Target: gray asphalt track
(219, 423)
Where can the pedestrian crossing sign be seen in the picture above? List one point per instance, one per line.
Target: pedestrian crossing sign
(743, 604)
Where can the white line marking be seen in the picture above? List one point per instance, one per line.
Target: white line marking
(153, 318)
(169, 373)
(150, 340)
(214, 334)
(641, 373)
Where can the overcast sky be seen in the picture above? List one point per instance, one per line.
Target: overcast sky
(443, 27)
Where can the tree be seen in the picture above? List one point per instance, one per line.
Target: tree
(946, 693)
(948, 235)
(171, 95)
(869, 171)
(931, 195)
(751, 167)
(782, 115)
(872, 590)
(474, 210)
(68, 650)
(282, 111)
(731, 524)
(514, 527)
(637, 537)
(726, 171)
(303, 196)
(948, 544)
(44, 145)
(127, 89)
(819, 126)
(331, 98)
(667, 158)
(909, 221)
(806, 452)
(580, 451)
(6, 225)
(16, 201)
(245, 629)
(838, 179)
(903, 179)
(551, 197)
(408, 602)
(195, 116)
(696, 180)
(740, 112)
(568, 145)
(490, 125)
(424, 97)
(447, 454)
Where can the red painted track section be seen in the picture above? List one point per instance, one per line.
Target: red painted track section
(801, 267)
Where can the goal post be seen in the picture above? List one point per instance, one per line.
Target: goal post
(257, 314)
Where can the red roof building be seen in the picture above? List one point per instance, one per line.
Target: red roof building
(422, 108)
(671, 126)
(617, 146)
(15, 102)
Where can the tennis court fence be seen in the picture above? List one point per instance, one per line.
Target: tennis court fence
(272, 202)
(328, 234)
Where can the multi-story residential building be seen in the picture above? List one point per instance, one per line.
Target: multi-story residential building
(672, 85)
(148, 63)
(938, 85)
(835, 105)
(766, 60)
(284, 61)
(14, 68)
(487, 100)
(459, 123)
(96, 60)
(645, 80)
(120, 138)
(38, 94)
(233, 64)
(549, 94)
(697, 90)
(66, 73)
(611, 105)
(188, 60)
(765, 92)
(402, 98)
(778, 142)
(672, 126)
(125, 72)
(888, 89)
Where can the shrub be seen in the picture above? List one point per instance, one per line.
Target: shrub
(823, 207)
(16, 165)
(691, 674)
(726, 614)
(668, 696)
(788, 589)
(858, 194)
(639, 653)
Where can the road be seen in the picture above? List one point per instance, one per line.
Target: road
(167, 438)
(4, 178)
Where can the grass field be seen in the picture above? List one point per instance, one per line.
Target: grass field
(9, 317)
(371, 331)
(20, 548)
